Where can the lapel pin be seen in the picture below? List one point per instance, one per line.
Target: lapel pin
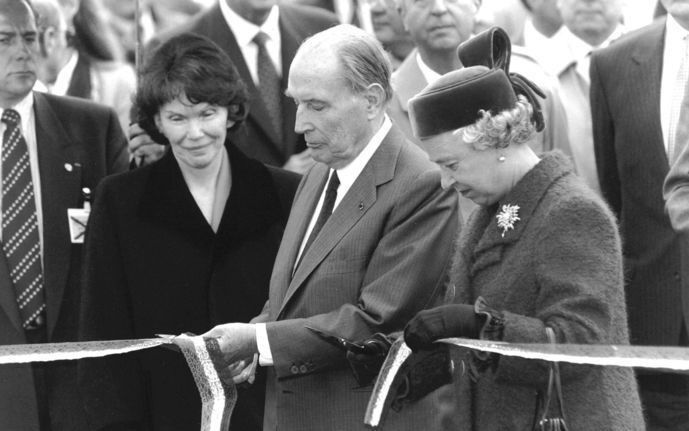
(361, 206)
(68, 167)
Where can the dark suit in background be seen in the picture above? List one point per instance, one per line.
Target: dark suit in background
(257, 137)
(78, 143)
(632, 164)
(154, 265)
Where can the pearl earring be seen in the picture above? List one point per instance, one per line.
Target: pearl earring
(502, 159)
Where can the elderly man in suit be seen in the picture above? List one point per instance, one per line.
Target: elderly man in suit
(52, 148)
(382, 252)
(261, 37)
(637, 85)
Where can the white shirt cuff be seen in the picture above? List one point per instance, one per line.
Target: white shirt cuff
(265, 357)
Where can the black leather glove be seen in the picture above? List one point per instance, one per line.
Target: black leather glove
(455, 320)
(366, 361)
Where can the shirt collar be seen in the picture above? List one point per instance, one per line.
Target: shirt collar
(25, 110)
(245, 31)
(575, 48)
(350, 173)
(428, 73)
(674, 33)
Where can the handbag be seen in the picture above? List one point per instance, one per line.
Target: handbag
(553, 394)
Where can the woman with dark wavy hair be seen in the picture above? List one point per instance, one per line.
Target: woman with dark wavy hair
(179, 245)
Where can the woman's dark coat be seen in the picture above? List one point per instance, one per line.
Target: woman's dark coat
(561, 266)
(155, 266)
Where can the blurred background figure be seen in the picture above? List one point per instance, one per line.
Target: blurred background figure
(81, 57)
(179, 245)
(390, 32)
(543, 21)
(355, 12)
(509, 15)
(438, 27)
(639, 97)
(156, 16)
(261, 38)
(588, 25)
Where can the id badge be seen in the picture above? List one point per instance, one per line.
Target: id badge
(77, 218)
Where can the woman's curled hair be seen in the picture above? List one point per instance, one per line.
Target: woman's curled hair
(512, 126)
(193, 66)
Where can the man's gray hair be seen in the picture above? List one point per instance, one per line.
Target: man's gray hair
(362, 57)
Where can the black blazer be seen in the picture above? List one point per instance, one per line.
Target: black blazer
(154, 265)
(632, 165)
(79, 143)
(257, 137)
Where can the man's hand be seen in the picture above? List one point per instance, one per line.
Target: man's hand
(299, 163)
(237, 342)
(142, 148)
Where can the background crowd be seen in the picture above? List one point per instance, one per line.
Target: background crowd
(180, 224)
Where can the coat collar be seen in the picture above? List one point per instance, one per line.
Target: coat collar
(486, 238)
(253, 203)
(408, 80)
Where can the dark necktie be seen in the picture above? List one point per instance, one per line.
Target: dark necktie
(20, 240)
(326, 210)
(269, 83)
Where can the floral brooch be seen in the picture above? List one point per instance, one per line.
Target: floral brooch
(507, 217)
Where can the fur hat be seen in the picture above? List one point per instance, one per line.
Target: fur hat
(455, 99)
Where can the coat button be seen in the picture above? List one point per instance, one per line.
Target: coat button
(294, 369)
(303, 369)
(68, 167)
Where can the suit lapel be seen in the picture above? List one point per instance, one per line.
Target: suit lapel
(302, 210)
(358, 200)
(647, 60)
(61, 175)
(215, 28)
(409, 80)
(8, 301)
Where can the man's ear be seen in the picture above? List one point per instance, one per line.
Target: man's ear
(375, 99)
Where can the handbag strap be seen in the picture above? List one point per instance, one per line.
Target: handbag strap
(554, 384)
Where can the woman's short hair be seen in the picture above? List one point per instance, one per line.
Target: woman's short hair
(512, 126)
(193, 66)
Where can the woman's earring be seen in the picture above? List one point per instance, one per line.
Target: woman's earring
(502, 159)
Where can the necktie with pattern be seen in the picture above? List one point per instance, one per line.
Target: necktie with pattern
(20, 239)
(269, 83)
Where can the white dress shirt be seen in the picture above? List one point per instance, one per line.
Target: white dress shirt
(428, 73)
(347, 176)
(245, 31)
(64, 77)
(25, 110)
(672, 59)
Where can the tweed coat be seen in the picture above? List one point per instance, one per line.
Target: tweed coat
(154, 265)
(381, 257)
(560, 267)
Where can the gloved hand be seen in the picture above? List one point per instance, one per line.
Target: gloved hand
(424, 372)
(454, 320)
(366, 362)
